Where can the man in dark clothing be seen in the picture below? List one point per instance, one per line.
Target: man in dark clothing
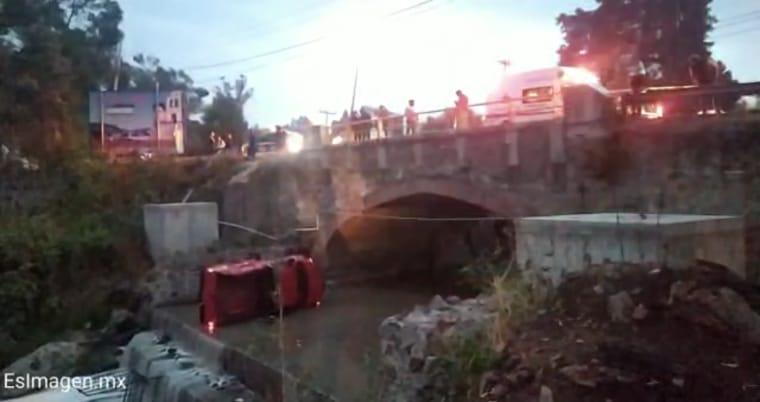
(251, 144)
(228, 143)
(280, 138)
(366, 124)
(356, 126)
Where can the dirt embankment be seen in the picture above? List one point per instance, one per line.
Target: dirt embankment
(637, 334)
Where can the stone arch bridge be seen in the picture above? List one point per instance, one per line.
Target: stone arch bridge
(538, 169)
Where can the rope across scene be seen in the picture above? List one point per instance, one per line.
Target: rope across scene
(357, 214)
(421, 218)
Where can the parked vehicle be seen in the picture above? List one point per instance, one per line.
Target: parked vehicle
(539, 95)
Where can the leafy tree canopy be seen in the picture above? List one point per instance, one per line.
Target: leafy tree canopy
(225, 113)
(661, 33)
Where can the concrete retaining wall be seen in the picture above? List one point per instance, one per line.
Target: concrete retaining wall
(180, 228)
(271, 384)
(558, 245)
(164, 372)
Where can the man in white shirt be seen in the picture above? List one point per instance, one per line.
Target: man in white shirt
(462, 119)
(411, 118)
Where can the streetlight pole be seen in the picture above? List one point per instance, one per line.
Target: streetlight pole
(102, 125)
(327, 116)
(506, 63)
(353, 96)
(157, 108)
(327, 123)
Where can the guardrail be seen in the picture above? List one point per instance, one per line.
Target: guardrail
(714, 99)
(356, 130)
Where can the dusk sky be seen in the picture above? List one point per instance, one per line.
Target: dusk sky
(425, 53)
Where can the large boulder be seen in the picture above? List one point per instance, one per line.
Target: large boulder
(620, 307)
(120, 328)
(55, 359)
(720, 308)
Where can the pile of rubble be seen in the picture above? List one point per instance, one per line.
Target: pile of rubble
(613, 333)
(411, 343)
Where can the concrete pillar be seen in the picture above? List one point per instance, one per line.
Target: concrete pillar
(324, 158)
(382, 156)
(461, 146)
(352, 161)
(557, 150)
(735, 195)
(510, 141)
(180, 227)
(417, 149)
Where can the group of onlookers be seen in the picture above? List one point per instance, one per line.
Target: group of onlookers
(704, 71)
(360, 123)
(220, 143)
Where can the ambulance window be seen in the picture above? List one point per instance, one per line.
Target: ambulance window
(538, 94)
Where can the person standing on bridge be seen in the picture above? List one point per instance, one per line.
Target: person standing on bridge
(462, 109)
(280, 138)
(212, 139)
(228, 146)
(411, 118)
(355, 125)
(366, 124)
(251, 144)
(383, 122)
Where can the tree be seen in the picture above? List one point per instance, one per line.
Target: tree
(225, 113)
(662, 33)
(147, 71)
(51, 53)
(302, 125)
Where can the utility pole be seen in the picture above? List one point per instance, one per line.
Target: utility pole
(353, 96)
(506, 63)
(118, 68)
(327, 122)
(158, 121)
(102, 124)
(327, 116)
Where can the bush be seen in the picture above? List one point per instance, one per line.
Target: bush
(513, 297)
(85, 239)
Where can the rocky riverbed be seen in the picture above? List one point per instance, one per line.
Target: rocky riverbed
(614, 333)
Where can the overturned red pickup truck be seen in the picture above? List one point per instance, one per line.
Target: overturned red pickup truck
(254, 288)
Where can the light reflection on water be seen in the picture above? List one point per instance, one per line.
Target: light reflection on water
(336, 346)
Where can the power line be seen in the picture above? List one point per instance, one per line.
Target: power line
(319, 5)
(257, 56)
(360, 214)
(245, 34)
(741, 16)
(724, 26)
(299, 55)
(251, 69)
(734, 33)
(293, 46)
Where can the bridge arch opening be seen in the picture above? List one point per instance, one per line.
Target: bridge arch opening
(420, 240)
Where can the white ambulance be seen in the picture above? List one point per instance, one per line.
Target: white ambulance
(547, 94)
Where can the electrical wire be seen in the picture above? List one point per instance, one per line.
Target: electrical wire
(739, 17)
(734, 33)
(293, 46)
(261, 66)
(257, 56)
(359, 214)
(257, 67)
(239, 36)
